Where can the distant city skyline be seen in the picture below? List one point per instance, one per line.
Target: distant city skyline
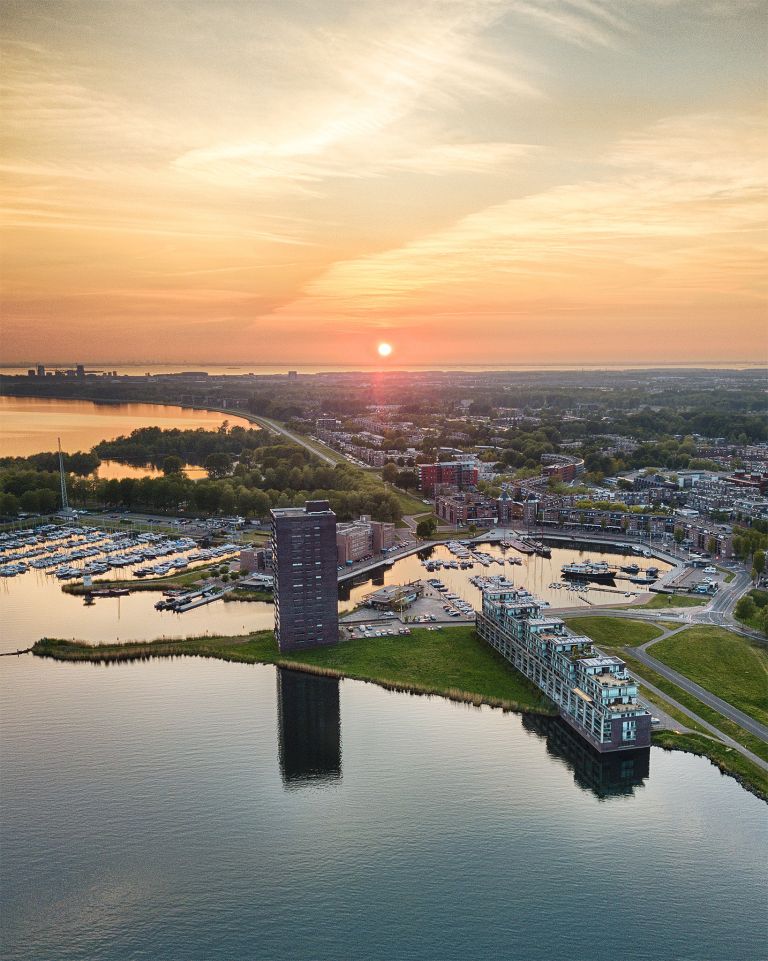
(485, 182)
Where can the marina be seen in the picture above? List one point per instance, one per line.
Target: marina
(33, 605)
(459, 566)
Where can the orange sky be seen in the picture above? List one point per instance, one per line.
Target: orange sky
(479, 181)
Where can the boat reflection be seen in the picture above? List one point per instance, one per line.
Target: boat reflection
(605, 775)
(309, 728)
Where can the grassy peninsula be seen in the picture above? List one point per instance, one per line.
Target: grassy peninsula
(452, 662)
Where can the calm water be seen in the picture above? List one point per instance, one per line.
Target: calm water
(534, 573)
(114, 470)
(33, 605)
(197, 810)
(32, 424)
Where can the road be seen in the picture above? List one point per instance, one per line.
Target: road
(715, 732)
(314, 448)
(691, 687)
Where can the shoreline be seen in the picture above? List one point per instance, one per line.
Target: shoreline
(260, 648)
(413, 669)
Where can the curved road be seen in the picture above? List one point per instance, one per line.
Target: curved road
(277, 428)
(706, 697)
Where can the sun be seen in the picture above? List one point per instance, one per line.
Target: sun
(384, 349)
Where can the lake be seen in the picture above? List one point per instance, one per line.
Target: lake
(193, 809)
(32, 424)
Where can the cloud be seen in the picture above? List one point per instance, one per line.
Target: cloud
(662, 211)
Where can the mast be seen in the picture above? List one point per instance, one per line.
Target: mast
(64, 501)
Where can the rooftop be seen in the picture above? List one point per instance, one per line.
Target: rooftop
(311, 507)
(613, 680)
(604, 660)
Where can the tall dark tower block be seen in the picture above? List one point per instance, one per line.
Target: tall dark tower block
(306, 580)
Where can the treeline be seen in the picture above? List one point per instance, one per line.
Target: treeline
(267, 475)
(750, 545)
(152, 445)
(81, 462)
(29, 490)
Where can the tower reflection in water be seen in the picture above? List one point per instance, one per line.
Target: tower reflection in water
(309, 728)
(605, 775)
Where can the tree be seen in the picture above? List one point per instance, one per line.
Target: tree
(9, 505)
(173, 464)
(426, 527)
(407, 480)
(712, 545)
(758, 562)
(389, 472)
(679, 535)
(745, 609)
(218, 465)
(30, 502)
(81, 463)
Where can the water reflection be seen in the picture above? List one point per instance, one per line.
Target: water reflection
(309, 728)
(605, 775)
(537, 574)
(32, 424)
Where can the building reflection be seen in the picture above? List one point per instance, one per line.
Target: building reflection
(605, 775)
(309, 728)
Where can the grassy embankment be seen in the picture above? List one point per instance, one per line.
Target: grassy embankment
(725, 663)
(727, 759)
(612, 634)
(615, 631)
(452, 662)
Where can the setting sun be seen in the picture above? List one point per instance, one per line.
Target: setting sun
(385, 350)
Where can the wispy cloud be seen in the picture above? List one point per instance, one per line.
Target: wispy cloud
(647, 229)
(347, 165)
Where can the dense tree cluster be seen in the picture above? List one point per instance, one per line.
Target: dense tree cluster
(267, 475)
(152, 445)
(752, 609)
(81, 462)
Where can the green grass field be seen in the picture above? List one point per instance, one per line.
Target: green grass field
(615, 631)
(672, 601)
(723, 662)
(452, 662)
(248, 595)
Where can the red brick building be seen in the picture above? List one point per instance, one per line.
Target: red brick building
(455, 473)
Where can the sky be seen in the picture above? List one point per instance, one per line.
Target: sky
(298, 181)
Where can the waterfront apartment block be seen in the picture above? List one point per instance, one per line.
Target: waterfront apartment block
(465, 507)
(305, 576)
(596, 694)
(363, 538)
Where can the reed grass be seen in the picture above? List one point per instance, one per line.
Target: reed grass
(452, 662)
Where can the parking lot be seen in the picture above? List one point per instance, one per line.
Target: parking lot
(433, 609)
